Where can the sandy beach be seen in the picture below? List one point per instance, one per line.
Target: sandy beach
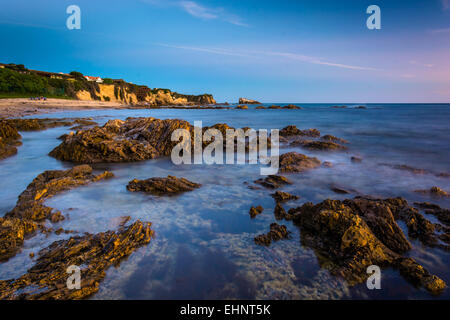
(19, 107)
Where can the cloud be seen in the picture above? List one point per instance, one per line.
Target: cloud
(200, 11)
(445, 4)
(444, 30)
(427, 65)
(258, 54)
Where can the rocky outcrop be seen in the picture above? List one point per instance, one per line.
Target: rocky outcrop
(254, 211)
(332, 138)
(9, 139)
(281, 196)
(30, 212)
(277, 232)
(442, 214)
(248, 101)
(296, 162)
(318, 145)
(351, 235)
(93, 254)
(292, 130)
(273, 181)
(242, 107)
(435, 192)
(291, 106)
(162, 186)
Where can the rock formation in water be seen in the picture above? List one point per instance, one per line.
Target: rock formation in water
(351, 235)
(93, 254)
(277, 232)
(162, 186)
(30, 213)
(254, 211)
(296, 162)
(248, 101)
(273, 181)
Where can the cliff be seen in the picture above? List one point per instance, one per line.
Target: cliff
(20, 81)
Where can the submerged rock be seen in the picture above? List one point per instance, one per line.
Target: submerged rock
(255, 211)
(355, 159)
(277, 232)
(296, 162)
(318, 145)
(30, 212)
(351, 235)
(280, 213)
(442, 214)
(162, 186)
(281, 196)
(331, 138)
(434, 191)
(273, 181)
(93, 254)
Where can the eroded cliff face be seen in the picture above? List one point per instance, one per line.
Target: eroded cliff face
(155, 97)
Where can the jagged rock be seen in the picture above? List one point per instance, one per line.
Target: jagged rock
(277, 232)
(281, 196)
(255, 211)
(242, 107)
(434, 191)
(273, 181)
(292, 130)
(280, 213)
(331, 138)
(162, 186)
(296, 162)
(351, 235)
(442, 214)
(93, 254)
(9, 139)
(318, 145)
(248, 101)
(30, 212)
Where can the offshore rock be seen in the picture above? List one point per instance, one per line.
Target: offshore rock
(281, 196)
(292, 130)
(273, 181)
(255, 211)
(162, 186)
(248, 101)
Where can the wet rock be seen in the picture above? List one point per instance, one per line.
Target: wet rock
(434, 191)
(291, 106)
(339, 190)
(318, 145)
(351, 235)
(339, 107)
(273, 181)
(296, 162)
(9, 139)
(355, 159)
(277, 232)
(255, 211)
(242, 107)
(280, 213)
(274, 107)
(162, 186)
(280, 196)
(442, 214)
(30, 212)
(292, 130)
(360, 107)
(93, 254)
(331, 138)
(260, 107)
(405, 167)
(327, 164)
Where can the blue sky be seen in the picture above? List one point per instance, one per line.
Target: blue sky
(273, 51)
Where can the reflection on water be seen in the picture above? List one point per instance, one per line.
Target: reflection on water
(204, 239)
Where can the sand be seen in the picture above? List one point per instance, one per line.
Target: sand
(11, 108)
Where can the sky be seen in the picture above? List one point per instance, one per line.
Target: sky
(272, 51)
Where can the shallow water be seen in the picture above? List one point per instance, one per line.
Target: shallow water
(204, 245)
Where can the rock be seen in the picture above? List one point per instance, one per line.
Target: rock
(434, 191)
(162, 186)
(442, 214)
(280, 196)
(31, 255)
(9, 139)
(292, 130)
(318, 145)
(350, 236)
(360, 107)
(355, 159)
(331, 138)
(94, 254)
(327, 164)
(242, 107)
(274, 107)
(273, 181)
(296, 162)
(291, 106)
(339, 190)
(248, 101)
(260, 107)
(277, 232)
(280, 213)
(255, 211)
(339, 107)
(30, 212)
